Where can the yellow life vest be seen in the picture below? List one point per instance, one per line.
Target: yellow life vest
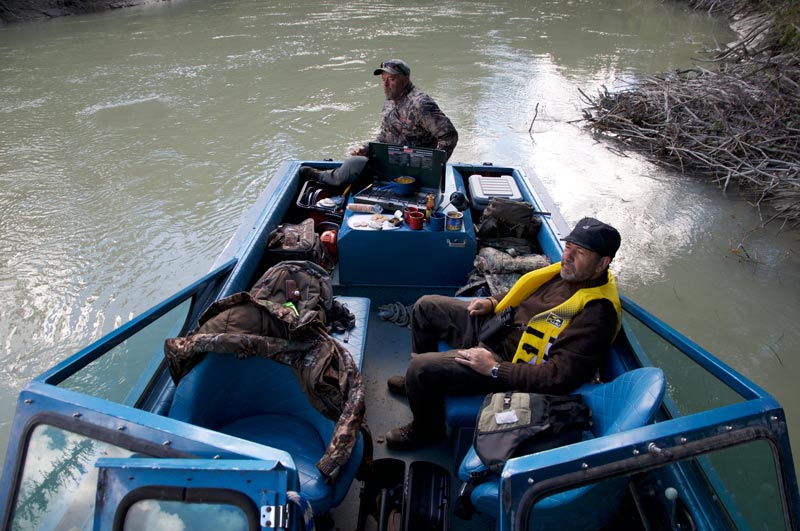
(543, 328)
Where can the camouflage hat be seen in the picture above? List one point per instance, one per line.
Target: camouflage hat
(395, 67)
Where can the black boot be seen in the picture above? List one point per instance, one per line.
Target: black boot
(307, 173)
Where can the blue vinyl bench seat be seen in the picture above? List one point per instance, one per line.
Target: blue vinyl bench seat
(261, 400)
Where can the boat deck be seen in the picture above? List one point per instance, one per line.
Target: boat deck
(388, 350)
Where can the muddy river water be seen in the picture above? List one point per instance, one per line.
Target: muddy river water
(132, 142)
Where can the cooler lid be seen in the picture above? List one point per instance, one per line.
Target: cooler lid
(485, 187)
(390, 161)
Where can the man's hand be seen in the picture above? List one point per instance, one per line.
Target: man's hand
(480, 306)
(478, 359)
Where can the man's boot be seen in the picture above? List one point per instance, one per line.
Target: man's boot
(307, 173)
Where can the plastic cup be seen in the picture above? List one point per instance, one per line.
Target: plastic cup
(437, 221)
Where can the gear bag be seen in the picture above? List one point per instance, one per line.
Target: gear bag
(512, 424)
(507, 224)
(297, 242)
(306, 287)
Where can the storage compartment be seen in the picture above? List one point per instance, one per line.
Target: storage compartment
(419, 496)
(427, 497)
(484, 187)
(405, 257)
(382, 495)
(322, 202)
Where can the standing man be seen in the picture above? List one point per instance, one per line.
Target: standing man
(410, 118)
(566, 317)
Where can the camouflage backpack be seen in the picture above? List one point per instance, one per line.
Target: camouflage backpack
(305, 288)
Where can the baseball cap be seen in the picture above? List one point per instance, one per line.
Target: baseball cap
(596, 236)
(394, 66)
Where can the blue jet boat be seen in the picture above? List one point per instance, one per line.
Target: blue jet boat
(108, 440)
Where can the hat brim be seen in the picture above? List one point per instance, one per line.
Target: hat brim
(379, 71)
(580, 244)
(589, 247)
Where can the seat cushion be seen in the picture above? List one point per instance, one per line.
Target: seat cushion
(462, 411)
(356, 339)
(298, 438)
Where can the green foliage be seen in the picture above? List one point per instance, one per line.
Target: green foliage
(787, 26)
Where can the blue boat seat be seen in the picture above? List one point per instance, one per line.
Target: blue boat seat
(261, 400)
(626, 403)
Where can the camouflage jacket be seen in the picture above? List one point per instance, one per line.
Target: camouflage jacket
(416, 120)
(324, 368)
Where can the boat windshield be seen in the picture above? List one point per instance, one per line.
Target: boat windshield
(122, 373)
(58, 484)
(667, 497)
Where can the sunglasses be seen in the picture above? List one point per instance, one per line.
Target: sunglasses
(395, 66)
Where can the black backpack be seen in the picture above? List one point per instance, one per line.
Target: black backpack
(507, 224)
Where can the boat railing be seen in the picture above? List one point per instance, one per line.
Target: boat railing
(716, 429)
(656, 448)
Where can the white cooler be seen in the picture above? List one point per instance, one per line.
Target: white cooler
(483, 187)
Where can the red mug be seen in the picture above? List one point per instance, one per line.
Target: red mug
(406, 213)
(415, 220)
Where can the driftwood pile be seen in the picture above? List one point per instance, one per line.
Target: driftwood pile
(736, 120)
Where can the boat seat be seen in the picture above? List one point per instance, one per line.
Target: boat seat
(261, 400)
(626, 403)
(461, 411)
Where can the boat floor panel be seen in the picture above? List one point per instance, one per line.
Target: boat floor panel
(387, 353)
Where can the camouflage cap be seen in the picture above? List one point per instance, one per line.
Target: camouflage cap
(394, 67)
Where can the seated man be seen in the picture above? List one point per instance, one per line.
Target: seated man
(410, 118)
(565, 318)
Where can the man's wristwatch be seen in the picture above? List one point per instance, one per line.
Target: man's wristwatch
(494, 370)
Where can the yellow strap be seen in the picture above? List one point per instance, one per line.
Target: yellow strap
(527, 284)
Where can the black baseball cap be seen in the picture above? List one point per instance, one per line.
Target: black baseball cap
(596, 236)
(395, 67)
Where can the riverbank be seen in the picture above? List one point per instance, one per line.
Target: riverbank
(734, 118)
(26, 10)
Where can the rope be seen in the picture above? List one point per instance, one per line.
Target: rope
(397, 313)
(305, 508)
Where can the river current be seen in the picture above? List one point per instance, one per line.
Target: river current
(132, 142)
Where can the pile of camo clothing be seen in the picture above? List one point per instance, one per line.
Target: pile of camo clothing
(496, 271)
